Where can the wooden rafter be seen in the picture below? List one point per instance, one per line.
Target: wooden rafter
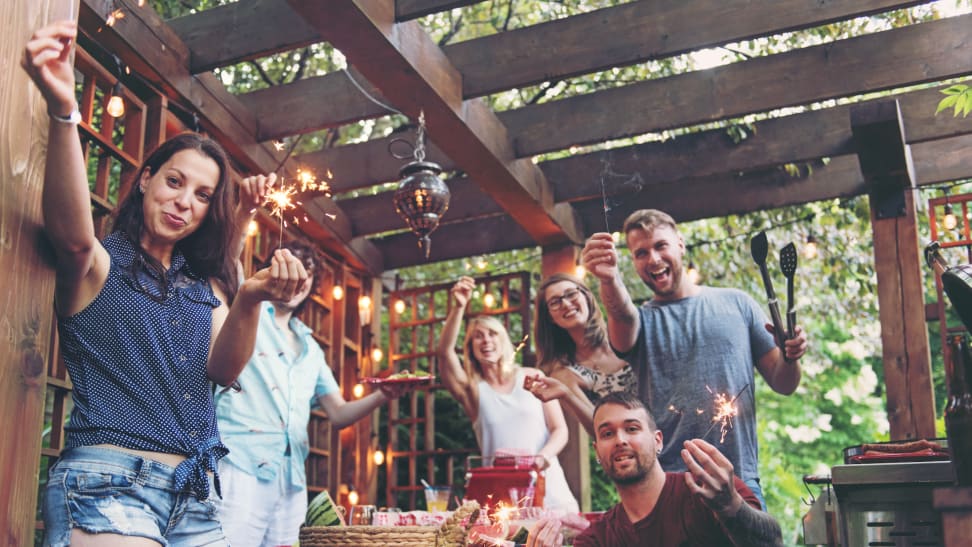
(905, 56)
(402, 61)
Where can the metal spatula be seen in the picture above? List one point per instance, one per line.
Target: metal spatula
(759, 248)
(788, 264)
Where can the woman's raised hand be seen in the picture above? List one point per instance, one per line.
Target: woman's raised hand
(47, 60)
(253, 192)
(280, 281)
(462, 290)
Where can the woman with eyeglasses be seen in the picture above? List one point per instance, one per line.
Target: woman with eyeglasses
(489, 385)
(573, 349)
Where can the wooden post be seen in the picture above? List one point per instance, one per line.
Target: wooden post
(27, 276)
(575, 458)
(886, 165)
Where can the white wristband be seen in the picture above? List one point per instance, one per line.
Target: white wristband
(74, 118)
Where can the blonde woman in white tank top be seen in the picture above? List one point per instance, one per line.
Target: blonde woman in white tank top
(488, 383)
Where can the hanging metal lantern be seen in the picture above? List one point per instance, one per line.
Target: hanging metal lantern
(421, 198)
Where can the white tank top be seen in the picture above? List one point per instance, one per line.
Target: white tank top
(516, 421)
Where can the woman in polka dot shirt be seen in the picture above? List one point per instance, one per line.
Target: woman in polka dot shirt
(145, 326)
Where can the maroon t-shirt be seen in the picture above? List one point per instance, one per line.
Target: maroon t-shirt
(680, 519)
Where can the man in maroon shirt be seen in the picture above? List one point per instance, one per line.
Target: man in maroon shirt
(706, 506)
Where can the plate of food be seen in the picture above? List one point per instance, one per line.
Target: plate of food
(403, 377)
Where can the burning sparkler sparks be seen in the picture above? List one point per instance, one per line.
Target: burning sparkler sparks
(281, 199)
(725, 412)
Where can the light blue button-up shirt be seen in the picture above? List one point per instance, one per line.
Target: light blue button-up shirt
(265, 424)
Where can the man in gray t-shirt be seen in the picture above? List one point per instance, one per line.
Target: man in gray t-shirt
(690, 344)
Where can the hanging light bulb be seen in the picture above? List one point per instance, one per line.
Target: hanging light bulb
(399, 306)
(481, 263)
(352, 496)
(357, 391)
(489, 300)
(950, 221)
(364, 309)
(810, 248)
(378, 457)
(376, 354)
(116, 105)
(692, 273)
(337, 292)
(580, 271)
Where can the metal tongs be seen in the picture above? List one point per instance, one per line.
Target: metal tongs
(759, 247)
(788, 265)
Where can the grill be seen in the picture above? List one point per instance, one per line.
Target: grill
(890, 504)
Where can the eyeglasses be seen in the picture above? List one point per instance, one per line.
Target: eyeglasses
(558, 301)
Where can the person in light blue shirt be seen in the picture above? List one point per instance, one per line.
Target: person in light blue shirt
(264, 423)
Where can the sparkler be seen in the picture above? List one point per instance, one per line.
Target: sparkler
(725, 412)
(605, 168)
(279, 200)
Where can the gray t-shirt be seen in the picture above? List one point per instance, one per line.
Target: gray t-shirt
(689, 351)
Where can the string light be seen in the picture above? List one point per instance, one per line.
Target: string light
(116, 104)
(949, 221)
(692, 273)
(357, 391)
(810, 248)
(352, 496)
(253, 228)
(489, 300)
(399, 306)
(364, 309)
(376, 354)
(337, 292)
(481, 263)
(378, 457)
(580, 271)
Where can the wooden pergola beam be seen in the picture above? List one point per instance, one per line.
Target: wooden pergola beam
(311, 104)
(265, 27)
(634, 32)
(905, 56)
(794, 138)
(149, 47)
(608, 37)
(484, 236)
(402, 61)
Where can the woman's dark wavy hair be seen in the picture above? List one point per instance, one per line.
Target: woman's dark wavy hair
(207, 249)
(554, 344)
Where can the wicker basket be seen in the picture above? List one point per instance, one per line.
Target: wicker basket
(452, 533)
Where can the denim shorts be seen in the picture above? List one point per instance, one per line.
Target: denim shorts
(100, 490)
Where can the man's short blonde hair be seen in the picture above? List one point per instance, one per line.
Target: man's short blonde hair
(648, 220)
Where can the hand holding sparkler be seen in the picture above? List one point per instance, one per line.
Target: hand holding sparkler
(710, 476)
(283, 279)
(545, 388)
(462, 290)
(600, 257)
(253, 193)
